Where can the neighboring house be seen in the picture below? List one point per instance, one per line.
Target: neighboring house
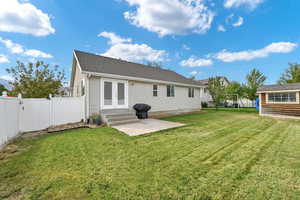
(280, 100)
(113, 84)
(65, 92)
(206, 97)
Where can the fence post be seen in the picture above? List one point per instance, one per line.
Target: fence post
(20, 108)
(51, 120)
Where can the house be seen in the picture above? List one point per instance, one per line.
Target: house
(280, 100)
(206, 97)
(113, 86)
(65, 92)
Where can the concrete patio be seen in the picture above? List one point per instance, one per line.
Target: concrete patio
(146, 126)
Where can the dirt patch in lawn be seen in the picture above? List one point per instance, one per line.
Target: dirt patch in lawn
(60, 128)
(11, 149)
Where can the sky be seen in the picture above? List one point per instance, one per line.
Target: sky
(204, 38)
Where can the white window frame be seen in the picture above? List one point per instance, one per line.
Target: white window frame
(114, 94)
(82, 87)
(191, 92)
(171, 94)
(153, 90)
(287, 102)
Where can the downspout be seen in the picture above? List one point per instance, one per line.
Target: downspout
(260, 107)
(88, 96)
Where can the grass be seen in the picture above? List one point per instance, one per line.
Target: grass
(218, 155)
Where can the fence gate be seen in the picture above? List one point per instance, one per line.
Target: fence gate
(34, 114)
(24, 115)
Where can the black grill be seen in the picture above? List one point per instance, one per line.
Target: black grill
(142, 110)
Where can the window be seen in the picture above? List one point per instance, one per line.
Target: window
(121, 94)
(282, 97)
(155, 90)
(108, 93)
(170, 91)
(205, 90)
(82, 88)
(191, 92)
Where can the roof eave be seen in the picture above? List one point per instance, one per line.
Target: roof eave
(140, 79)
(270, 91)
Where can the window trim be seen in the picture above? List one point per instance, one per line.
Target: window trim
(82, 87)
(155, 90)
(171, 94)
(191, 92)
(282, 102)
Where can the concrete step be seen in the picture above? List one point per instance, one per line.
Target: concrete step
(116, 111)
(120, 118)
(124, 122)
(119, 115)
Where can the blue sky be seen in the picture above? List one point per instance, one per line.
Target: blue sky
(203, 37)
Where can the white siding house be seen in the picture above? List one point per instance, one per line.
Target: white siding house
(112, 84)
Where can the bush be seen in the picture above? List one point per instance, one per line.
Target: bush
(204, 104)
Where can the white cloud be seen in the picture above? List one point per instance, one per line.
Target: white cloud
(16, 48)
(168, 17)
(124, 49)
(13, 47)
(114, 39)
(186, 47)
(6, 77)
(23, 17)
(239, 22)
(221, 28)
(37, 54)
(194, 62)
(251, 4)
(234, 20)
(279, 47)
(3, 59)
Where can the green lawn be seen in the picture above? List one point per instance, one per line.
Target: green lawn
(218, 155)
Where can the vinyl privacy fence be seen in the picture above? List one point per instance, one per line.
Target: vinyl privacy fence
(23, 115)
(9, 119)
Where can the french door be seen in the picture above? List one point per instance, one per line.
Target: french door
(114, 93)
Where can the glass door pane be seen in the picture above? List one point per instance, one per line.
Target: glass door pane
(121, 94)
(107, 93)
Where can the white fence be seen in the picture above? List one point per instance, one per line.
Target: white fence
(23, 115)
(9, 119)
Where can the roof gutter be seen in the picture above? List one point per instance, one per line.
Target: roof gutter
(139, 79)
(277, 91)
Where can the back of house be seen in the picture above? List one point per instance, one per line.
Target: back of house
(112, 84)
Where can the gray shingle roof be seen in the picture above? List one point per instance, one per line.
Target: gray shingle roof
(291, 86)
(100, 64)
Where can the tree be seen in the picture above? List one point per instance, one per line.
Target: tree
(2, 89)
(154, 64)
(291, 75)
(254, 79)
(234, 90)
(36, 80)
(193, 77)
(216, 89)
